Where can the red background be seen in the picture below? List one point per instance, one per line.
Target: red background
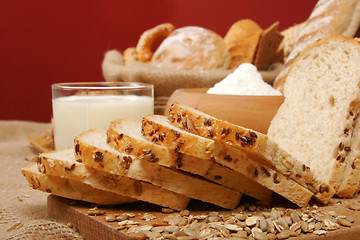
(46, 41)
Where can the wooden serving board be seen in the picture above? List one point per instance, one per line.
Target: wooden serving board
(96, 228)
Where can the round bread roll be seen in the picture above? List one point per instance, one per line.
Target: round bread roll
(242, 40)
(192, 48)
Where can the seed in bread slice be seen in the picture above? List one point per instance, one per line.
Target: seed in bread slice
(62, 163)
(318, 122)
(92, 144)
(159, 129)
(71, 189)
(257, 145)
(125, 136)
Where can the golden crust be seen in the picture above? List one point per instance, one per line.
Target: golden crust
(149, 37)
(242, 40)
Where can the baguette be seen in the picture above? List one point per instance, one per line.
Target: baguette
(62, 163)
(328, 18)
(92, 144)
(158, 129)
(125, 136)
(322, 102)
(71, 189)
(257, 145)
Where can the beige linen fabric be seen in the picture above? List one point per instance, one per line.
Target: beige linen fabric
(23, 211)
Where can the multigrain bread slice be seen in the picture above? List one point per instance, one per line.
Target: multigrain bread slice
(125, 136)
(71, 189)
(94, 151)
(255, 144)
(158, 129)
(318, 122)
(62, 163)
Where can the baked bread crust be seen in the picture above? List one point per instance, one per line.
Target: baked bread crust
(269, 49)
(71, 189)
(328, 18)
(158, 129)
(192, 48)
(325, 79)
(149, 38)
(92, 143)
(62, 163)
(241, 40)
(257, 145)
(125, 136)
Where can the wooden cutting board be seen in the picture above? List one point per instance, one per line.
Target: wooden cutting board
(96, 228)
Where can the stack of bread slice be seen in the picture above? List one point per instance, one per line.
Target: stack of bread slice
(158, 162)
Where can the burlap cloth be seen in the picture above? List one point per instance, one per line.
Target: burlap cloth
(23, 211)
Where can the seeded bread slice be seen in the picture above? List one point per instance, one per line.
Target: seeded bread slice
(257, 145)
(125, 136)
(92, 148)
(71, 189)
(318, 122)
(62, 163)
(158, 129)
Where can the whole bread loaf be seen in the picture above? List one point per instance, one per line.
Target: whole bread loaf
(318, 121)
(328, 18)
(192, 48)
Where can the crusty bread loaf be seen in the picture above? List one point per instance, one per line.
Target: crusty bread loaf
(318, 121)
(192, 48)
(93, 150)
(125, 136)
(158, 129)
(253, 143)
(71, 189)
(62, 163)
(328, 18)
(242, 39)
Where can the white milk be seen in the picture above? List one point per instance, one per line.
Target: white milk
(76, 114)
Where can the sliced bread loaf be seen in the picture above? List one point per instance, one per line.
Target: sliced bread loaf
(158, 129)
(318, 122)
(125, 136)
(62, 163)
(93, 150)
(255, 144)
(71, 189)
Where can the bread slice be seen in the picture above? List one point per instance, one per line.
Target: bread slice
(158, 129)
(62, 163)
(125, 136)
(255, 144)
(318, 122)
(92, 148)
(71, 189)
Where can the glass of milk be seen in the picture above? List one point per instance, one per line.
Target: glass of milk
(81, 106)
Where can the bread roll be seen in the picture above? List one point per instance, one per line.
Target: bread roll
(242, 40)
(192, 48)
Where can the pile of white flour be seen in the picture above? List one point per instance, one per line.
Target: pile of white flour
(245, 80)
